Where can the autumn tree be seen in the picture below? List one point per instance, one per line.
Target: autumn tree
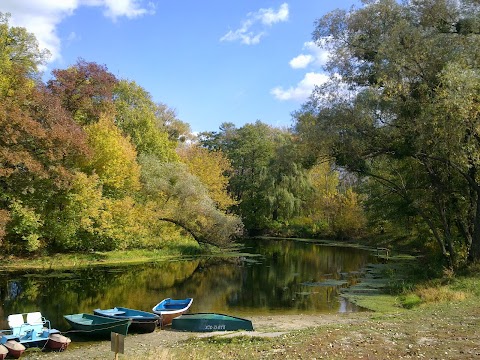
(182, 199)
(140, 118)
(114, 158)
(211, 167)
(85, 89)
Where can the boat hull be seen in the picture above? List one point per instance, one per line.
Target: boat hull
(98, 326)
(206, 322)
(3, 352)
(169, 309)
(58, 342)
(142, 321)
(15, 349)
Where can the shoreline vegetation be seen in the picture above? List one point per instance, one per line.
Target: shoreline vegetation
(407, 317)
(187, 249)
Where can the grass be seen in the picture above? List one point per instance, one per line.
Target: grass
(175, 251)
(94, 258)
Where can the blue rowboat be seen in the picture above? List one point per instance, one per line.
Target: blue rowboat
(171, 308)
(205, 322)
(94, 325)
(142, 321)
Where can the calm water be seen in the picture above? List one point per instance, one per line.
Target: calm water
(285, 277)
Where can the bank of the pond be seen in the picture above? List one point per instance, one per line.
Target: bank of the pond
(435, 331)
(61, 261)
(87, 259)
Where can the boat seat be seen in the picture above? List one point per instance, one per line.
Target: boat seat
(15, 320)
(115, 312)
(35, 318)
(37, 321)
(17, 324)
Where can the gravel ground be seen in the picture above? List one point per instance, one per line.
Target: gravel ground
(448, 331)
(160, 341)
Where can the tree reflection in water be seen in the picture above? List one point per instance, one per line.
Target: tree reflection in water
(278, 281)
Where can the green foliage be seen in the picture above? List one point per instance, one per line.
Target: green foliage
(71, 225)
(400, 111)
(25, 227)
(410, 301)
(144, 121)
(267, 179)
(19, 51)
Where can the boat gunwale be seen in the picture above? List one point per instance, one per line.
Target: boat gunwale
(175, 311)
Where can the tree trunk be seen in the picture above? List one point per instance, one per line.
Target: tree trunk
(474, 253)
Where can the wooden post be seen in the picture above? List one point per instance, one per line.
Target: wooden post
(117, 343)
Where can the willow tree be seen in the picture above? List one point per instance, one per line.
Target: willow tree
(402, 108)
(181, 198)
(268, 178)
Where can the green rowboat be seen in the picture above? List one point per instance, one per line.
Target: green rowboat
(94, 325)
(204, 322)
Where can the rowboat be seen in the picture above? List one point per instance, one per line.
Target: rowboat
(205, 322)
(170, 308)
(94, 325)
(34, 332)
(142, 321)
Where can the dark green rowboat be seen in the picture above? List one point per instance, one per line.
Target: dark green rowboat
(204, 322)
(94, 325)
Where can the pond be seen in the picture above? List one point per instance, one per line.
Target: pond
(267, 277)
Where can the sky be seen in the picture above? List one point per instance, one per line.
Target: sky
(212, 61)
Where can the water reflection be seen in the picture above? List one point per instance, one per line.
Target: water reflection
(287, 277)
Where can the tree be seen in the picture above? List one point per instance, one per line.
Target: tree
(114, 158)
(404, 94)
(19, 51)
(85, 89)
(182, 199)
(144, 121)
(39, 143)
(211, 167)
(268, 178)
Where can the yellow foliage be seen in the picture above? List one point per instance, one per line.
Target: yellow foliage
(115, 158)
(122, 222)
(211, 168)
(438, 294)
(85, 199)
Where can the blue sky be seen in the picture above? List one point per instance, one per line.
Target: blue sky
(212, 61)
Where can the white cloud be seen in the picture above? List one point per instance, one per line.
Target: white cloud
(269, 16)
(266, 17)
(41, 17)
(317, 56)
(129, 8)
(302, 90)
(320, 55)
(301, 61)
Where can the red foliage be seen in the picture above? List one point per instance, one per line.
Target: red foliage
(85, 89)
